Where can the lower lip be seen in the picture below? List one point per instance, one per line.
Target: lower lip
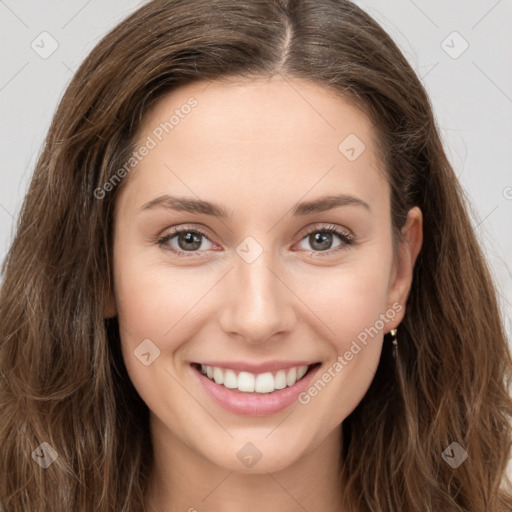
(255, 404)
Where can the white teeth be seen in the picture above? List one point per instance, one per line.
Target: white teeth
(249, 383)
(230, 379)
(264, 383)
(246, 382)
(280, 379)
(301, 371)
(218, 376)
(291, 377)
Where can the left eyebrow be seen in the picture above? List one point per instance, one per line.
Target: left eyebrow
(325, 203)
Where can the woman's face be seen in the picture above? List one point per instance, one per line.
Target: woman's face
(221, 259)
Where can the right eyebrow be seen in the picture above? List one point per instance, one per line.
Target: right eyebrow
(186, 205)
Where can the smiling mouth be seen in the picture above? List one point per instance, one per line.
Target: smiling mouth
(251, 383)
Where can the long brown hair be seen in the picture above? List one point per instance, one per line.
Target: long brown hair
(63, 380)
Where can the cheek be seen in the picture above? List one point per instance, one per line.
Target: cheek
(153, 303)
(159, 303)
(154, 306)
(347, 300)
(352, 306)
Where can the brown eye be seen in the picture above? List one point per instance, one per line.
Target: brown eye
(189, 241)
(184, 240)
(322, 240)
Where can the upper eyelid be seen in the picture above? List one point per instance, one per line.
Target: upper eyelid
(325, 226)
(191, 227)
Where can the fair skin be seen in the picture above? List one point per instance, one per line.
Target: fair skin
(256, 149)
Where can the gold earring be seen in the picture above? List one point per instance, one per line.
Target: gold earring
(394, 341)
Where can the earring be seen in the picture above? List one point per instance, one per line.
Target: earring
(394, 341)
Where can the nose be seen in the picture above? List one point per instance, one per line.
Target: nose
(257, 303)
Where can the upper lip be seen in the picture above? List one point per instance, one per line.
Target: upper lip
(256, 368)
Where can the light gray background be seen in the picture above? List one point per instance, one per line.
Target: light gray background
(471, 95)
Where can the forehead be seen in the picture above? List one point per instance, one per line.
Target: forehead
(261, 110)
(267, 134)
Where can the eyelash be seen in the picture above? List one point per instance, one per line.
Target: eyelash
(346, 239)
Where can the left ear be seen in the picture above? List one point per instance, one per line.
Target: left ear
(403, 266)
